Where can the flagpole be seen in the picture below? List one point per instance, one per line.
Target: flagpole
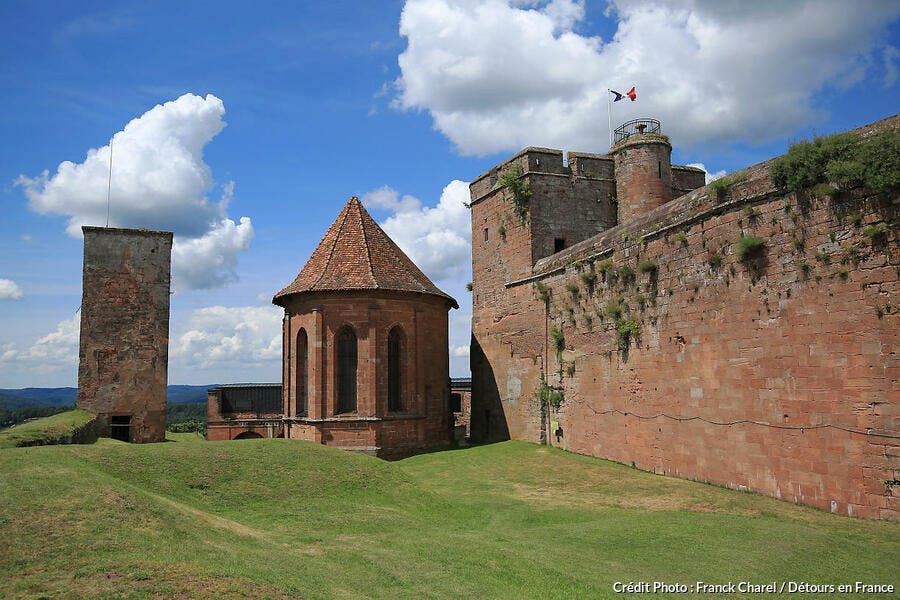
(109, 180)
(609, 116)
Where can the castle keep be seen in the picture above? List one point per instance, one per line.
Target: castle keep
(123, 355)
(733, 333)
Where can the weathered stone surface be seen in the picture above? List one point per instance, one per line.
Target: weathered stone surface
(739, 364)
(643, 171)
(124, 344)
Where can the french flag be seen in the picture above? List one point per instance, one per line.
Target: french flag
(630, 94)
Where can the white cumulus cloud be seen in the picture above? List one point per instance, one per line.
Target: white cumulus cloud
(9, 290)
(709, 70)
(217, 335)
(49, 354)
(211, 260)
(710, 177)
(460, 350)
(159, 181)
(438, 238)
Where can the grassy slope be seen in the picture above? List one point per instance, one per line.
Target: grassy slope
(47, 429)
(512, 520)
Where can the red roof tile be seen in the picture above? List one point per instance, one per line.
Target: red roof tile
(356, 254)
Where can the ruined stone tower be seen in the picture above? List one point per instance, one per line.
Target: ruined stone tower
(124, 346)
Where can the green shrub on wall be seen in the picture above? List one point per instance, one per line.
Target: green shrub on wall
(520, 194)
(626, 330)
(720, 187)
(873, 163)
(559, 342)
(749, 247)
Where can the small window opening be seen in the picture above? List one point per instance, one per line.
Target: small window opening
(302, 372)
(120, 428)
(559, 244)
(394, 371)
(455, 403)
(659, 168)
(346, 367)
(485, 234)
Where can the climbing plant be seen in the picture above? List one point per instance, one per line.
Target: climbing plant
(549, 396)
(626, 331)
(520, 193)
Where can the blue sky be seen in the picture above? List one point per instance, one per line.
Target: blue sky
(248, 129)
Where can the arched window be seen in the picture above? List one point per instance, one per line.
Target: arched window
(346, 371)
(302, 376)
(394, 379)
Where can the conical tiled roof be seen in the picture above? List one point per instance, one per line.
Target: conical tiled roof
(356, 254)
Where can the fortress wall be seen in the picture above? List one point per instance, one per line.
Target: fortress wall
(764, 340)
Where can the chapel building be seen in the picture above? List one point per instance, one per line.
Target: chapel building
(365, 361)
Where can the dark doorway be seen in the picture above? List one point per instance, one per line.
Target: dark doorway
(120, 428)
(455, 403)
(248, 435)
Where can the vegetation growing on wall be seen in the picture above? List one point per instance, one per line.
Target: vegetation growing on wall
(842, 159)
(543, 291)
(720, 188)
(626, 331)
(520, 194)
(625, 274)
(647, 267)
(616, 307)
(749, 247)
(559, 342)
(876, 233)
(549, 396)
(604, 267)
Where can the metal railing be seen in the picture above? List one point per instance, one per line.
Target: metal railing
(635, 127)
(262, 399)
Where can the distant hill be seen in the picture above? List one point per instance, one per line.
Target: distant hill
(188, 393)
(66, 396)
(30, 397)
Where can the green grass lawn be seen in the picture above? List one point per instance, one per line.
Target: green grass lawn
(282, 519)
(48, 430)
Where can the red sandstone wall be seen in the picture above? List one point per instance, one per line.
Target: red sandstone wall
(232, 428)
(686, 179)
(123, 347)
(772, 341)
(424, 421)
(463, 417)
(643, 170)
